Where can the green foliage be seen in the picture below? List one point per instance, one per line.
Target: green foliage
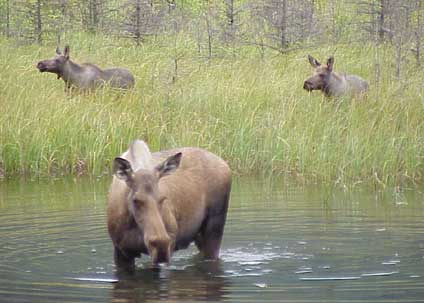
(252, 111)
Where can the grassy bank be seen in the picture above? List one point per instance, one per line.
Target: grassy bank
(250, 110)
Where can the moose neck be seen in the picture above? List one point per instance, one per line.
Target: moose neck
(335, 86)
(70, 71)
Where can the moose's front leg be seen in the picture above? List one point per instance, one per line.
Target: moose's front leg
(123, 262)
(68, 88)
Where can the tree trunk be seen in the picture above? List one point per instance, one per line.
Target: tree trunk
(207, 14)
(93, 15)
(61, 27)
(138, 23)
(209, 30)
(402, 36)
(333, 4)
(38, 24)
(230, 12)
(377, 41)
(283, 25)
(380, 20)
(7, 18)
(418, 33)
(229, 20)
(311, 18)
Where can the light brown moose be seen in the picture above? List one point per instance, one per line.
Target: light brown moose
(333, 84)
(84, 76)
(159, 203)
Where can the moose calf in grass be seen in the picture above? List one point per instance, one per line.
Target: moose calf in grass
(159, 203)
(84, 76)
(333, 84)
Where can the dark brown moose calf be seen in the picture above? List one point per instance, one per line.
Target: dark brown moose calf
(85, 76)
(159, 203)
(333, 84)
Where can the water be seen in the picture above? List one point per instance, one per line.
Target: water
(283, 243)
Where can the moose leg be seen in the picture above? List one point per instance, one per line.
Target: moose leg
(208, 241)
(123, 262)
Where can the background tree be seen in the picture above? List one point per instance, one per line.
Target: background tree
(279, 25)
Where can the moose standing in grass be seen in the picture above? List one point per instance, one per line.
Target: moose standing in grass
(85, 76)
(333, 84)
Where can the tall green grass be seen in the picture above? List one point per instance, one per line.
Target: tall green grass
(250, 110)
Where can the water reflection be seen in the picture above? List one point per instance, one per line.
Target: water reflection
(197, 281)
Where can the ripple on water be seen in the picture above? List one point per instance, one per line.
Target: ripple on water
(305, 271)
(330, 278)
(373, 274)
(391, 262)
(248, 262)
(95, 279)
(252, 257)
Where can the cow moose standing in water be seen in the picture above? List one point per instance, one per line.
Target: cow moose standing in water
(84, 76)
(159, 203)
(333, 84)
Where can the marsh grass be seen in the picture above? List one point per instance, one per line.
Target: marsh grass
(250, 110)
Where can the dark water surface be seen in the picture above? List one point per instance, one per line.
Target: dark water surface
(283, 243)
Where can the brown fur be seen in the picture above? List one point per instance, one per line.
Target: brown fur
(180, 196)
(333, 84)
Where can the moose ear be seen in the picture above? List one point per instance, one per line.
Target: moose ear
(58, 52)
(169, 165)
(66, 51)
(330, 63)
(314, 62)
(122, 169)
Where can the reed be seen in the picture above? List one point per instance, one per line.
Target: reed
(249, 109)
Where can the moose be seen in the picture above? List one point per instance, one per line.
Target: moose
(85, 76)
(161, 202)
(333, 84)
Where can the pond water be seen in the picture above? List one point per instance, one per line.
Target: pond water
(282, 243)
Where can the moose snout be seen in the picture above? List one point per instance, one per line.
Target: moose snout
(159, 249)
(307, 85)
(41, 66)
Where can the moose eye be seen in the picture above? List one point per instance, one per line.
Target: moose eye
(138, 203)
